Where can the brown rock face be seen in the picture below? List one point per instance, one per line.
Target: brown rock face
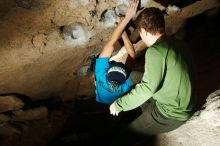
(42, 43)
(9, 103)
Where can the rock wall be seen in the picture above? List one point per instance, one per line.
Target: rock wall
(36, 58)
(44, 43)
(202, 129)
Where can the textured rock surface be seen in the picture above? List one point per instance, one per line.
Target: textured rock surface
(202, 129)
(44, 43)
(9, 103)
(44, 48)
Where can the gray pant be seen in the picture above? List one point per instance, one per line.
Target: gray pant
(151, 121)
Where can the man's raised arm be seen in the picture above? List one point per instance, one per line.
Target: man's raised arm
(109, 46)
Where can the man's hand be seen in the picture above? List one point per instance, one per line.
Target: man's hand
(132, 9)
(113, 110)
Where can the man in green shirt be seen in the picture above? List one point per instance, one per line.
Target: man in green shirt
(166, 91)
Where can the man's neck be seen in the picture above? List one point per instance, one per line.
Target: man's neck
(152, 39)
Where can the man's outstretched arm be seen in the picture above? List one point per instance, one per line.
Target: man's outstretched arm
(128, 45)
(109, 46)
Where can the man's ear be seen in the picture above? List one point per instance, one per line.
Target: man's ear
(144, 32)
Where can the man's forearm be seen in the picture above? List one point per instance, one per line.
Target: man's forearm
(128, 45)
(118, 31)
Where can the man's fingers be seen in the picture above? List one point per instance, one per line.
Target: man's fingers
(112, 113)
(113, 110)
(131, 4)
(134, 3)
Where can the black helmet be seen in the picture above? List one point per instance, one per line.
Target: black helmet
(117, 72)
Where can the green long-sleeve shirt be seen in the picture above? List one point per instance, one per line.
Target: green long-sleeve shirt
(168, 78)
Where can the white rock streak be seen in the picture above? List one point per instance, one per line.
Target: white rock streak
(75, 34)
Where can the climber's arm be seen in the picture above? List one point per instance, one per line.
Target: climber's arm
(109, 46)
(128, 45)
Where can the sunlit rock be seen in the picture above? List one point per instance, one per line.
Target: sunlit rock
(203, 129)
(75, 3)
(121, 9)
(109, 18)
(172, 9)
(126, 2)
(75, 34)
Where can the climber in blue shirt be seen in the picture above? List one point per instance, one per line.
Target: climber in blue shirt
(112, 78)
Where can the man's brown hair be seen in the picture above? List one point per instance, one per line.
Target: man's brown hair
(152, 20)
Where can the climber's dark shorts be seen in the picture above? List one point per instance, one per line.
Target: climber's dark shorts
(151, 121)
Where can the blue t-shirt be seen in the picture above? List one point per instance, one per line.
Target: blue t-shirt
(104, 93)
